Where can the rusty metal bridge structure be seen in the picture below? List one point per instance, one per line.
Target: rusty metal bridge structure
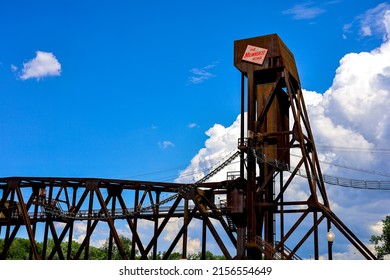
(254, 214)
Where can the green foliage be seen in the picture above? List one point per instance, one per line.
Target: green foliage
(175, 256)
(194, 256)
(172, 256)
(126, 243)
(20, 250)
(382, 242)
(209, 256)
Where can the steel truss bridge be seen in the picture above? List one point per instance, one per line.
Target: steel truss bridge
(30, 202)
(254, 215)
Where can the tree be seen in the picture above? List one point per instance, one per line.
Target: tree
(173, 256)
(382, 242)
(19, 249)
(126, 243)
(209, 256)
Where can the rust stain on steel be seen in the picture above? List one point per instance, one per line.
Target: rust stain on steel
(273, 95)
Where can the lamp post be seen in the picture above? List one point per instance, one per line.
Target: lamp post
(330, 236)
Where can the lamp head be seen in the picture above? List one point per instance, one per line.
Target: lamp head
(330, 236)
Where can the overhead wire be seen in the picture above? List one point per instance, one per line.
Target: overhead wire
(339, 181)
(329, 179)
(351, 168)
(354, 149)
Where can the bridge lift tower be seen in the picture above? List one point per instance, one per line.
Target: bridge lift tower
(277, 123)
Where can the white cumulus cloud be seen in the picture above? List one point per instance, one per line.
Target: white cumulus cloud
(44, 64)
(221, 143)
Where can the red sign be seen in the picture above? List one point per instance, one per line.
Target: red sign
(254, 54)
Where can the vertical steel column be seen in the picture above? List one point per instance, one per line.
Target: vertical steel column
(135, 222)
(281, 193)
(185, 231)
(241, 231)
(110, 242)
(315, 235)
(35, 215)
(251, 161)
(204, 237)
(242, 130)
(71, 224)
(330, 243)
(156, 210)
(91, 187)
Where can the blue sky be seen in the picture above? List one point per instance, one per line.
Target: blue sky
(126, 80)
(138, 89)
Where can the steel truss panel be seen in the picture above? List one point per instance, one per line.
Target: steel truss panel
(56, 205)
